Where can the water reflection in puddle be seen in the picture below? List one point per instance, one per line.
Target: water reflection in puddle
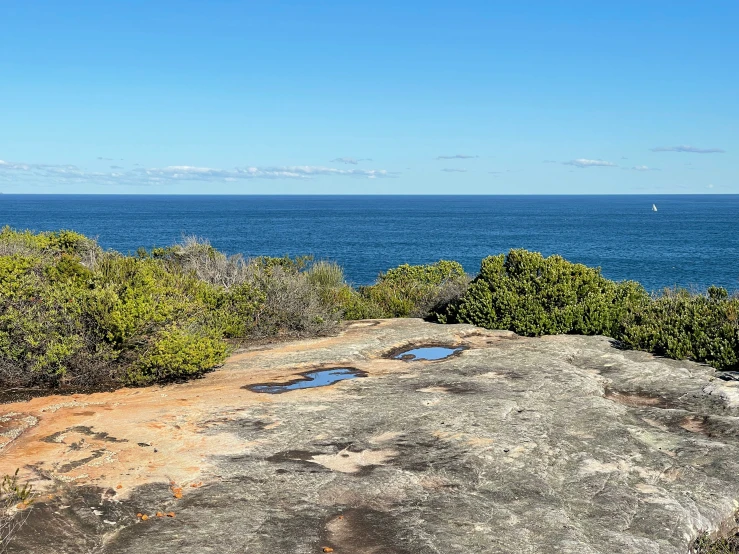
(311, 379)
(427, 353)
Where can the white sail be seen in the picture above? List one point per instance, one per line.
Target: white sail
(654, 208)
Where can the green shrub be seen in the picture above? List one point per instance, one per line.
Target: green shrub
(132, 298)
(356, 306)
(57, 242)
(65, 320)
(71, 314)
(335, 293)
(176, 353)
(232, 312)
(326, 276)
(680, 325)
(42, 332)
(532, 295)
(415, 290)
(290, 306)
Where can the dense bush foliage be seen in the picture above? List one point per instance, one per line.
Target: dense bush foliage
(72, 314)
(414, 290)
(532, 295)
(43, 286)
(678, 324)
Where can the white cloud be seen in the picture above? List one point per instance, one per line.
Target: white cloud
(351, 161)
(48, 168)
(456, 157)
(584, 162)
(644, 168)
(16, 166)
(690, 149)
(191, 173)
(169, 174)
(454, 170)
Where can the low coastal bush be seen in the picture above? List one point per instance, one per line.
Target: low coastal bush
(532, 295)
(43, 297)
(415, 290)
(72, 314)
(678, 324)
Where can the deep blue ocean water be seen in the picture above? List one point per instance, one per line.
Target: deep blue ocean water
(690, 241)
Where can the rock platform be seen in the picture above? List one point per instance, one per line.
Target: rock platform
(528, 445)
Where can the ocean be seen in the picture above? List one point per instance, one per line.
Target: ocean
(690, 241)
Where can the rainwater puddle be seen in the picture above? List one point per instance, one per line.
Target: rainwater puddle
(311, 379)
(427, 353)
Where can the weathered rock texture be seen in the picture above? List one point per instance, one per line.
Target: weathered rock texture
(555, 444)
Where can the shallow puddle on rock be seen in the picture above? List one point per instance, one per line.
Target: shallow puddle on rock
(427, 353)
(311, 379)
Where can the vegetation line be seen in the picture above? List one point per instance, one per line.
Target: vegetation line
(72, 314)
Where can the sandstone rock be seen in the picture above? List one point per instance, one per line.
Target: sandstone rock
(555, 444)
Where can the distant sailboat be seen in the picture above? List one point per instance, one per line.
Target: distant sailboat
(654, 208)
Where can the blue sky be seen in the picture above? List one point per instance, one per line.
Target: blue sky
(379, 97)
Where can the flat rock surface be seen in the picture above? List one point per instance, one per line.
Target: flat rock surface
(525, 445)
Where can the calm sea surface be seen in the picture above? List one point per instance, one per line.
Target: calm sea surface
(690, 241)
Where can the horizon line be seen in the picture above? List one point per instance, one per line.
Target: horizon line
(367, 195)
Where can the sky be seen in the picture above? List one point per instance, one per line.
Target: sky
(381, 97)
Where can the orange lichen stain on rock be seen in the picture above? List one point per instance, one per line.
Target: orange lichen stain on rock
(450, 436)
(385, 437)
(328, 549)
(480, 441)
(694, 424)
(160, 514)
(146, 438)
(197, 485)
(144, 517)
(59, 441)
(170, 514)
(434, 483)
(633, 400)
